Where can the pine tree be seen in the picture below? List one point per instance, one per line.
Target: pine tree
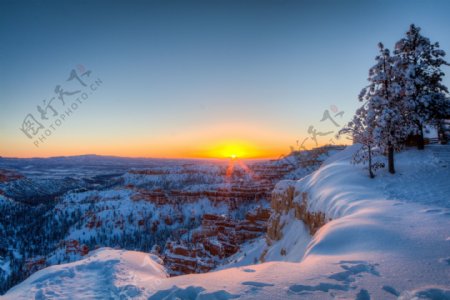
(421, 77)
(363, 134)
(385, 115)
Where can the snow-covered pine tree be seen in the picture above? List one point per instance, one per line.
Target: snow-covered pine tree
(385, 112)
(421, 77)
(363, 134)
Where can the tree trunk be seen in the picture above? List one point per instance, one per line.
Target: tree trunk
(370, 163)
(420, 139)
(441, 133)
(391, 159)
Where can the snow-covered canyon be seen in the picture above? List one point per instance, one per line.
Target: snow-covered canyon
(382, 238)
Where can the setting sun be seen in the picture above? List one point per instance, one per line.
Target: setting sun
(235, 149)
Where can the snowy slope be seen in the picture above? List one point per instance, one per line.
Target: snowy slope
(103, 274)
(388, 237)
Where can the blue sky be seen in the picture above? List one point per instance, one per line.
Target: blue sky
(182, 78)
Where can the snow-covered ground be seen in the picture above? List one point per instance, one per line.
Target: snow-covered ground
(388, 238)
(105, 273)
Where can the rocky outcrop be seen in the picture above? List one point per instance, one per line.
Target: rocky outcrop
(273, 172)
(34, 264)
(217, 238)
(187, 258)
(73, 246)
(232, 196)
(287, 200)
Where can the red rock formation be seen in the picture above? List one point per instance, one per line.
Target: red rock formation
(73, 246)
(231, 196)
(35, 264)
(286, 199)
(93, 222)
(168, 220)
(7, 175)
(84, 250)
(217, 238)
(155, 225)
(155, 196)
(183, 258)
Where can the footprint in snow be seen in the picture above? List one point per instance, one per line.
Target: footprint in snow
(256, 284)
(191, 292)
(300, 289)
(430, 211)
(391, 290)
(352, 269)
(248, 270)
(445, 260)
(427, 293)
(363, 295)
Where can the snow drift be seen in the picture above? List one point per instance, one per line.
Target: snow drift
(103, 274)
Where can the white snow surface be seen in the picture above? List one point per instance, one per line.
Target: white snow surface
(388, 238)
(105, 273)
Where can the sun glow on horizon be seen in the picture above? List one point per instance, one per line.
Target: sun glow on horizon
(230, 140)
(234, 150)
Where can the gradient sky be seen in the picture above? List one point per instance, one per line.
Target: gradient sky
(194, 78)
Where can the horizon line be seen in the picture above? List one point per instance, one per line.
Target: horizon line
(144, 157)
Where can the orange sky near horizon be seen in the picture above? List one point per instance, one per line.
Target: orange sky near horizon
(218, 141)
(216, 149)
